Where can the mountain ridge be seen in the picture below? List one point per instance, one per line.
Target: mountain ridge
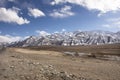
(71, 39)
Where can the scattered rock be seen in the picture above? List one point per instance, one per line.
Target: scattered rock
(5, 76)
(12, 67)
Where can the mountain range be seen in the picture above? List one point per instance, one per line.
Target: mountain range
(71, 39)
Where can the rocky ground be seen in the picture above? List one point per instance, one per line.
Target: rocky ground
(24, 64)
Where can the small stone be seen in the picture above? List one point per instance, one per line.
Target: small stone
(82, 78)
(62, 72)
(3, 69)
(37, 63)
(12, 66)
(12, 56)
(30, 63)
(22, 76)
(27, 77)
(5, 76)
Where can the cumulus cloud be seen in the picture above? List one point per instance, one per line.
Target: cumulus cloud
(112, 23)
(8, 38)
(35, 13)
(11, 16)
(103, 6)
(42, 33)
(63, 12)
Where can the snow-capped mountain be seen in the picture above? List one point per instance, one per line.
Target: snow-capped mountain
(72, 38)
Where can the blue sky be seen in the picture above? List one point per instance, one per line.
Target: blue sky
(21, 18)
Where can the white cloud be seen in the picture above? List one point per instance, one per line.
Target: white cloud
(117, 23)
(42, 33)
(63, 12)
(16, 9)
(113, 19)
(56, 32)
(112, 23)
(106, 25)
(35, 13)
(11, 16)
(8, 38)
(103, 6)
(11, 0)
(63, 30)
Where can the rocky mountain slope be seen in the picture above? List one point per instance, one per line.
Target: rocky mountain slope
(71, 38)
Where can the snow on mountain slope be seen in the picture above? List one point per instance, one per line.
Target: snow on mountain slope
(72, 38)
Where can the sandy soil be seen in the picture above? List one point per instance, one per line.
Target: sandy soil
(25, 64)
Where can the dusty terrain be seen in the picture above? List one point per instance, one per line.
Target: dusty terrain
(29, 64)
(107, 49)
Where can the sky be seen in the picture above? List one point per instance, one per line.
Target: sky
(22, 18)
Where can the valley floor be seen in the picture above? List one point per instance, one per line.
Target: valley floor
(25, 64)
